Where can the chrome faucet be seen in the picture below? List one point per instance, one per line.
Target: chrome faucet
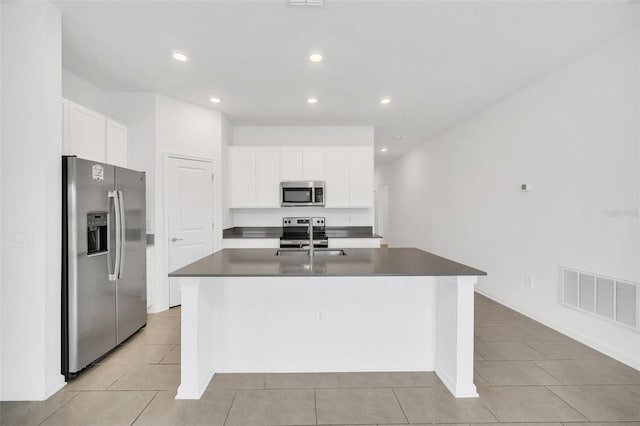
(311, 237)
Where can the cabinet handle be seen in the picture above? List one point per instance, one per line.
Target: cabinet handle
(174, 239)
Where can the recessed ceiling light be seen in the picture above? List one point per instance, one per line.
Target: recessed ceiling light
(215, 100)
(312, 100)
(180, 57)
(400, 137)
(383, 150)
(315, 57)
(385, 101)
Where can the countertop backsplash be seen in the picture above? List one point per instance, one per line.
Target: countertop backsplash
(273, 217)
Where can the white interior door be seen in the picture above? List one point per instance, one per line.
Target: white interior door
(190, 206)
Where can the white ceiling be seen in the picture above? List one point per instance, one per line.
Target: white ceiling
(439, 61)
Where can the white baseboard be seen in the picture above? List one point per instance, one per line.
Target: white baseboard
(21, 395)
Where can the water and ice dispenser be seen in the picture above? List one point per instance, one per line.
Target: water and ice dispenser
(97, 233)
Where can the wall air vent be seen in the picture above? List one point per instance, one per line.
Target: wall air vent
(306, 2)
(611, 299)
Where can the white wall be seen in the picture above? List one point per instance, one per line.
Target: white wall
(301, 136)
(30, 192)
(184, 129)
(573, 136)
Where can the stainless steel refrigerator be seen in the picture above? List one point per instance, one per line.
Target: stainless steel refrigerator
(104, 293)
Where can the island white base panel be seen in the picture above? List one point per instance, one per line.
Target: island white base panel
(326, 324)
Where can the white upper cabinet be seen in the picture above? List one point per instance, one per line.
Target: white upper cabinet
(336, 170)
(87, 133)
(361, 177)
(242, 177)
(116, 143)
(313, 163)
(255, 174)
(268, 177)
(291, 163)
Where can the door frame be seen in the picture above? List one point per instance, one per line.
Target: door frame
(165, 213)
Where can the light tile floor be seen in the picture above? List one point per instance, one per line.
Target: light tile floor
(526, 374)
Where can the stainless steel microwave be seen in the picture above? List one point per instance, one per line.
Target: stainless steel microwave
(302, 193)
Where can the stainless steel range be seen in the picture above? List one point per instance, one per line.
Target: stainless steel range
(295, 232)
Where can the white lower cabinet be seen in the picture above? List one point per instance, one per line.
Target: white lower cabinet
(251, 243)
(354, 242)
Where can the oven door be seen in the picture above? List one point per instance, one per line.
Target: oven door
(296, 196)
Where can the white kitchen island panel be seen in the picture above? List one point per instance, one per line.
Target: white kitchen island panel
(280, 324)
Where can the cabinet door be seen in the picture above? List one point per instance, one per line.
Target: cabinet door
(336, 177)
(87, 133)
(361, 177)
(116, 143)
(242, 177)
(313, 163)
(268, 177)
(291, 163)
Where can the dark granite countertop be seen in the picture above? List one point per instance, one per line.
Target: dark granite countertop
(356, 262)
(276, 232)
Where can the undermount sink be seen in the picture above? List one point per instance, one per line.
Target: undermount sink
(305, 252)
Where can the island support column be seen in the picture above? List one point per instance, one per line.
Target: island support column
(454, 334)
(196, 350)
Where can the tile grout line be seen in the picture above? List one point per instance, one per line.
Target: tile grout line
(145, 407)
(546, 358)
(400, 405)
(59, 408)
(414, 381)
(233, 400)
(315, 403)
(164, 357)
(481, 376)
(562, 382)
(568, 404)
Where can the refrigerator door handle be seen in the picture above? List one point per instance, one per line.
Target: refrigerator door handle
(123, 235)
(116, 208)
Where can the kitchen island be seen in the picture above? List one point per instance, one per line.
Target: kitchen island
(397, 309)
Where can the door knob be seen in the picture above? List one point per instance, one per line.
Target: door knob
(174, 239)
